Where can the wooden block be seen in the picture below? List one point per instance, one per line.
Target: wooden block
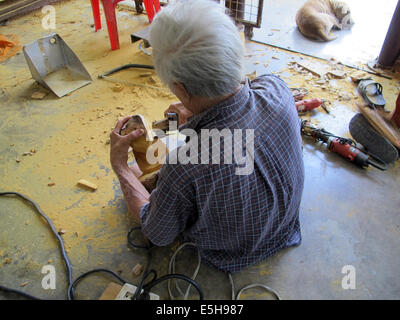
(382, 125)
(141, 145)
(87, 184)
(111, 291)
(137, 270)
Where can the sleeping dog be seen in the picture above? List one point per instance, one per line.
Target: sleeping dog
(316, 18)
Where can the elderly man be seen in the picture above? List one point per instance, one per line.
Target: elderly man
(235, 219)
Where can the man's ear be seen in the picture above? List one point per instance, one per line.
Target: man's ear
(180, 91)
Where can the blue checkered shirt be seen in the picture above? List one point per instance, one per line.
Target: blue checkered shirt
(236, 220)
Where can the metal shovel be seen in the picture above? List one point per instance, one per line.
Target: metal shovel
(54, 65)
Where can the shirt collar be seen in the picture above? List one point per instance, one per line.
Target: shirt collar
(206, 116)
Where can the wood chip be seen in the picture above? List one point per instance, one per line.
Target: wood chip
(137, 270)
(252, 75)
(358, 75)
(316, 68)
(87, 184)
(51, 184)
(337, 73)
(38, 95)
(24, 284)
(118, 87)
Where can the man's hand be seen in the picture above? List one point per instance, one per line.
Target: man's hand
(183, 113)
(120, 145)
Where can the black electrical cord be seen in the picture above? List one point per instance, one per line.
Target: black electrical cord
(72, 284)
(54, 231)
(21, 293)
(71, 295)
(125, 66)
(146, 271)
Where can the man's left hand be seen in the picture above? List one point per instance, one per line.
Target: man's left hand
(120, 145)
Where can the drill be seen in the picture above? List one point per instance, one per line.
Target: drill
(342, 146)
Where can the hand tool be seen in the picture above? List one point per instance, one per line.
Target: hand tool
(342, 146)
(310, 104)
(164, 123)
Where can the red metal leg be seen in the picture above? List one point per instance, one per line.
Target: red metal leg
(150, 5)
(96, 14)
(109, 11)
(157, 5)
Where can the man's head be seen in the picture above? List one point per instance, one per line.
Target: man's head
(197, 50)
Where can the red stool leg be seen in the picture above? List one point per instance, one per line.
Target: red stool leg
(109, 11)
(157, 5)
(96, 14)
(148, 4)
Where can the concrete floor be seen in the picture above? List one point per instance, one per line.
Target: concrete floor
(349, 216)
(361, 43)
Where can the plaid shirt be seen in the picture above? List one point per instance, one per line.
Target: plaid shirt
(236, 220)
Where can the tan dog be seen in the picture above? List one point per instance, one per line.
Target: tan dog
(316, 18)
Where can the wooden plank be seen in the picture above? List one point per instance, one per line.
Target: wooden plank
(6, 7)
(23, 7)
(383, 126)
(111, 291)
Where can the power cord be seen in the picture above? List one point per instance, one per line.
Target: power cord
(72, 284)
(55, 233)
(253, 285)
(139, 295)
(171, 269)
(143, 290)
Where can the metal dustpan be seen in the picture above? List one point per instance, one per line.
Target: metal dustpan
(54, 65)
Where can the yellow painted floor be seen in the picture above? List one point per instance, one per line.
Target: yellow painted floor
(349, 215)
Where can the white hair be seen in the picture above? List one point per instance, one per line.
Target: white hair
(196, 44)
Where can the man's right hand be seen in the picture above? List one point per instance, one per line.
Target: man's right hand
(183, 113)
